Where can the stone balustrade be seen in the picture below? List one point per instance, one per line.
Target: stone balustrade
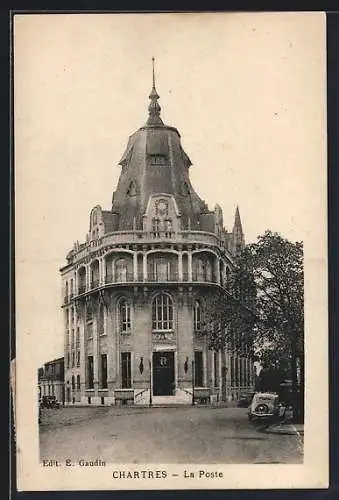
(130, 237)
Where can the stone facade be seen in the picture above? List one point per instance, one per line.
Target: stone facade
(134, 291)
(51, 379)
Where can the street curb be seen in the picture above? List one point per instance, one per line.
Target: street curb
(289, 429)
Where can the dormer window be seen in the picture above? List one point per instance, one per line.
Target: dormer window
(131, 191)
(158, 160)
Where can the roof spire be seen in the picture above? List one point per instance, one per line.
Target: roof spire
(154, 107)
(237, 233)
(153, 61)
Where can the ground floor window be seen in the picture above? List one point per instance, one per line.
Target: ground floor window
(232, 371)
(126, 380)
(216, 371)
(198, 369)
(103, 371)
(242, 374)
(90, 372)
(236, 371)
(78, 382)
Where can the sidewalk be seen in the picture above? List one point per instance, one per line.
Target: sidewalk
(286, 429)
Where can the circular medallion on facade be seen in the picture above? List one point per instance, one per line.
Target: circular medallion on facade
(162, 208)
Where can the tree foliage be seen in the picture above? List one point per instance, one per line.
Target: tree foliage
(277, 267)
(263, 306)
(229, 317)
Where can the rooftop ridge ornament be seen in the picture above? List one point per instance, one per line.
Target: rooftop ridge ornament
(154, 107)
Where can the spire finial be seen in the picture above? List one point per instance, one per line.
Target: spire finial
(237, 233)
(153, 63)
(154, 107)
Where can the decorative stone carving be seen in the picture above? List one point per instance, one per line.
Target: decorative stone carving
(161, 208)
(141, 365)
(163, 337)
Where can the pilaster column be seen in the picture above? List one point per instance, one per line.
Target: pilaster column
(135, 265)
(83, 359)
(180, 266)
(189, 262)
(220, 374)
(228, 374)
(111, 347)
(101, 271)
(204, 361)
(212, 369)
(88, 277)
(76, 285)
(240, 370)
(144, 265)
(95, 352)
(217, 270)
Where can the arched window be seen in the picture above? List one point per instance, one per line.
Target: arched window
(124, 315)
(82, 280)
(208, 271)
(95, 274)
(89, 321)
(78, 382)
(197, 316)
(162, 269)
(101, 329)
(200, 270)
(162, 313)
(89, 313)
(73, 383)
(121, 270)
(94, 218)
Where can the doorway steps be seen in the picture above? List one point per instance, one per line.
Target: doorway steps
(180, 398)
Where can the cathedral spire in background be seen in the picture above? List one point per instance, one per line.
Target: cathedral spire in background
(238, 240)
(154, 107)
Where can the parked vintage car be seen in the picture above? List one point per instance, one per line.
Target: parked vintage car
(264, 404)
(268, 409)
(245, 399)
(49, 402)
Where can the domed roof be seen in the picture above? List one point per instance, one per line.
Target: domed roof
(154, 162)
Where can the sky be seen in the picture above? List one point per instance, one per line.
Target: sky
(245, 91)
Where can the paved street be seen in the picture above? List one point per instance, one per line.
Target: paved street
(162, 435)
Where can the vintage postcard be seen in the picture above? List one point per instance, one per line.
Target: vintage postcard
(171, 251)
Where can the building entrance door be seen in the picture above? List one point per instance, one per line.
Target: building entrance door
(163, 373)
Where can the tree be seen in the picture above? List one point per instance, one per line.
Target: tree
(228, 319)
(263, 306)
(277, 270)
